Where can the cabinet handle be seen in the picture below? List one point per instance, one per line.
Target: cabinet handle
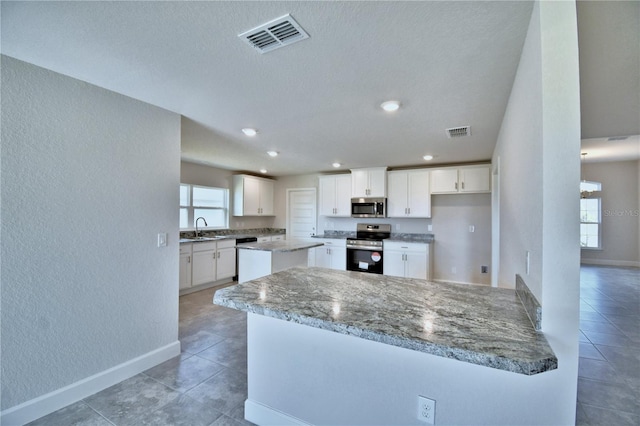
(409, 210)
(188, 259)
(456, 184)
(463, 185)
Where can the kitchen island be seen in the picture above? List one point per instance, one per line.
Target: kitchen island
(257, 260)
(323, 338)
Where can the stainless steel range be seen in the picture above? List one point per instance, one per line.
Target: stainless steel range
(364, 253)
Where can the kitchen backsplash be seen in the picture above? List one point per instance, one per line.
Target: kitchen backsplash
(244, 231)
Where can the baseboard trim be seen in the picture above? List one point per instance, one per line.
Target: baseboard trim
(607, 262)
(263, 415)
(53, 401)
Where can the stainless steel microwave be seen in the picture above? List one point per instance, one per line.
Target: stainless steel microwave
(368, 207)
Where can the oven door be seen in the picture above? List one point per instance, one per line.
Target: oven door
(364, 260)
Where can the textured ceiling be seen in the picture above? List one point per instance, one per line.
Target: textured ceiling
(315, 102)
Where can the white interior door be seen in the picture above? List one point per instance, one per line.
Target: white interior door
(301, 213)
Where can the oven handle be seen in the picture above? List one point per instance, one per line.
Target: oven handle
(368, 248)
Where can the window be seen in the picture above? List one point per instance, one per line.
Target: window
(202, 201)
(590, 223)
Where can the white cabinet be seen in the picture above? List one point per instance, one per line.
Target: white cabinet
(280, 237)
(252, 196)
(225, 259)
(332, 255)
(335, 195)
(264, 239)
(371, 182)
(408, 260)
(455, 180)
(409, 194)
(185, 265)
(204, 263)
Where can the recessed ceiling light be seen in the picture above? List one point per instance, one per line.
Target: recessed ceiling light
(263, 170)
(249, 131)
(272, 153)
(336, 165)
(390, 106)
(428, 157)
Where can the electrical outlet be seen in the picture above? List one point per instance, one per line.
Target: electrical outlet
(426, 410)
(484, 269)
(472, 228)
(162, 239)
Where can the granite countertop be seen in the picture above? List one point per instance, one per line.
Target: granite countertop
(233, 234)
(280, 246)
(475, 324)
(407, 238)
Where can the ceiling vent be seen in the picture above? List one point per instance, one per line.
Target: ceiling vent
(458, 132)
(274, 34)
(618, 138)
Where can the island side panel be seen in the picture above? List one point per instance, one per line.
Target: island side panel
(299, 371)
(284, 260)
(253, 264)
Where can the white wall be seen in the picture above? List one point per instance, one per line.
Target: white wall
(620, 213)
(459, 254)
(89, 178)
(539, 151)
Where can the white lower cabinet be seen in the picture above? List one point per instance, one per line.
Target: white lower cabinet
(203, 267)
(408, 260)
(202, 263)
(185, 265)
(225, 259)
(333, 255)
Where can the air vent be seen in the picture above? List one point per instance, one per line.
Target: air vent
(618, 138)
(458, 132)
(274, 34)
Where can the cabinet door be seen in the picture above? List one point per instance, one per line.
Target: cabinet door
(251, 197)
(266, 197)
(338, 258)
(393, 263)
(226, 263)
(475, 179)
(415, 265)
(323, 256)
(378, 183)
(328, 196)
(360, 183)
(397, 202)
(185, 271)
(418, 194)
(343, 195)
(203, 267)
(278, 238)
(444, 181)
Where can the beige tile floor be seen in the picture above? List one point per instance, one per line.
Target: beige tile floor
(609, 365)
(207, 383)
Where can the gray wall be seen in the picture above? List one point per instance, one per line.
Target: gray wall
(620, 213)
(89, 178)
(539, 151)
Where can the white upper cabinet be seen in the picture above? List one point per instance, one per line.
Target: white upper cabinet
(252, 196)
(409, 194)
(335, 195)
(467, 179)
(371, 182)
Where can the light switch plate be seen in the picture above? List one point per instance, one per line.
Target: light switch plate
(162, 239)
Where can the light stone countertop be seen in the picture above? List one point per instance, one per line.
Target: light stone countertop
(407, 238)
(280, 246)
(471, 323)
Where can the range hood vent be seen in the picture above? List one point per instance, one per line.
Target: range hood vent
(458, 132)
(278, 33)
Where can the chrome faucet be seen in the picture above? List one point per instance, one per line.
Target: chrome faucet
(205, 224)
